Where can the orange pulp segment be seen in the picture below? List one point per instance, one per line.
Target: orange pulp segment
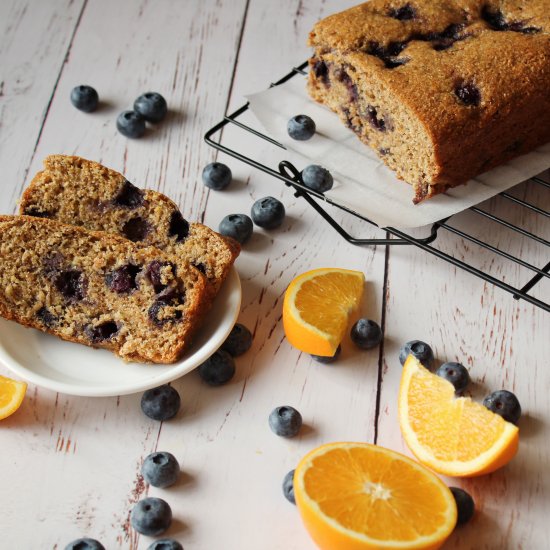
(12, 393)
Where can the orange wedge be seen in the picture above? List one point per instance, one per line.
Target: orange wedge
(317, 307)
(354, 496)
(452, 435)
(11, 396)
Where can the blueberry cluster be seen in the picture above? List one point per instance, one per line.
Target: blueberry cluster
(148, 107)
(219, 368)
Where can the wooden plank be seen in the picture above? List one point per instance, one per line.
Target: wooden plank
(34, 40)
(81, 457)
(503, 343)
(242, 456)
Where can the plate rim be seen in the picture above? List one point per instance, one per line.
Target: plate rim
(231, 285)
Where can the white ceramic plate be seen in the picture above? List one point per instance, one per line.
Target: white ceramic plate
(75, 369)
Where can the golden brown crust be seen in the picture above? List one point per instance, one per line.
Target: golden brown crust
(82, 192)
(441, 90)
(59, 279)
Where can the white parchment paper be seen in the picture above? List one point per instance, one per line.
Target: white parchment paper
(362, 182)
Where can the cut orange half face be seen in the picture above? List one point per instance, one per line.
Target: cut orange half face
(357, 496)
(317, 307)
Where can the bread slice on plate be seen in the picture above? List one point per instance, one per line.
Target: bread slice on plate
(81, 192)
(99, 289)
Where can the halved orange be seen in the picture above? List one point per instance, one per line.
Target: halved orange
(317, 307)
(452, 435)
(354, 496)
(12, 393)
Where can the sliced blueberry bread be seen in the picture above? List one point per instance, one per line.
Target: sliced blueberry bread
(98, 289)
(81, 192)
(441, 90)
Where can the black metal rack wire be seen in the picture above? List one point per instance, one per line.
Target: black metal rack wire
(288, 173)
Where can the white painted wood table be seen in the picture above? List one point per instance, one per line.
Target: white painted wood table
(70, 466)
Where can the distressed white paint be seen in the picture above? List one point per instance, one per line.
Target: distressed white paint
(70, 466)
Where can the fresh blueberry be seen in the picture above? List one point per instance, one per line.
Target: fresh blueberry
(151, 516)
(328, 359)
(151, 106)
(160, 469)
(218, 369)
(238, 226)
(239, 340)
(317, 178)
(161, 403)
(366, 334)
(268, 213)
(456, 374)
(165, 544)
(285, 421)
(422, 351)
(464, 505)
(288, 487)
(84, 98)
(130, 124)
(301, 127)
(217, 176)
(85, 544)
(504, 403)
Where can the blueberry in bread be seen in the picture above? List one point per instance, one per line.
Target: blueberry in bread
(98, 289)
(81, 192)
(441, 90)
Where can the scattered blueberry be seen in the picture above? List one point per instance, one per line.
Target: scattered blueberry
(178, 226)
(377, 122)
(328, 359)
(130, 124)
(151, 106)
(238, 226)
(268, 213)
(160, 469)
(46, 316)
(72, 284)
(85, 544)
(165, 544)
(456, 374)
(366, 334)
(464, 505)
(151, 516)
(238, 341)
(161, 403)
(317, 178)
(285, 421)
(84, 98)
(422, 351)
(301, 127)
(218, 369)
(217, 176)
(135, 229)
(504, 403)
(288, 487)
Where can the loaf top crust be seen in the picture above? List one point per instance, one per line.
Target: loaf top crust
(440, 58)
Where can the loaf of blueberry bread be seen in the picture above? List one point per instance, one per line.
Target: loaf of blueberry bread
(441, 90)
(81, 192)
(98, 289)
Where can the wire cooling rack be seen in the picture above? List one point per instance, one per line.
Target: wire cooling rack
(529, 274)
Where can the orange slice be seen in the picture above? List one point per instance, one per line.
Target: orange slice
(452, 435)
(317, 307)
(11, 396)
(354, 496)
